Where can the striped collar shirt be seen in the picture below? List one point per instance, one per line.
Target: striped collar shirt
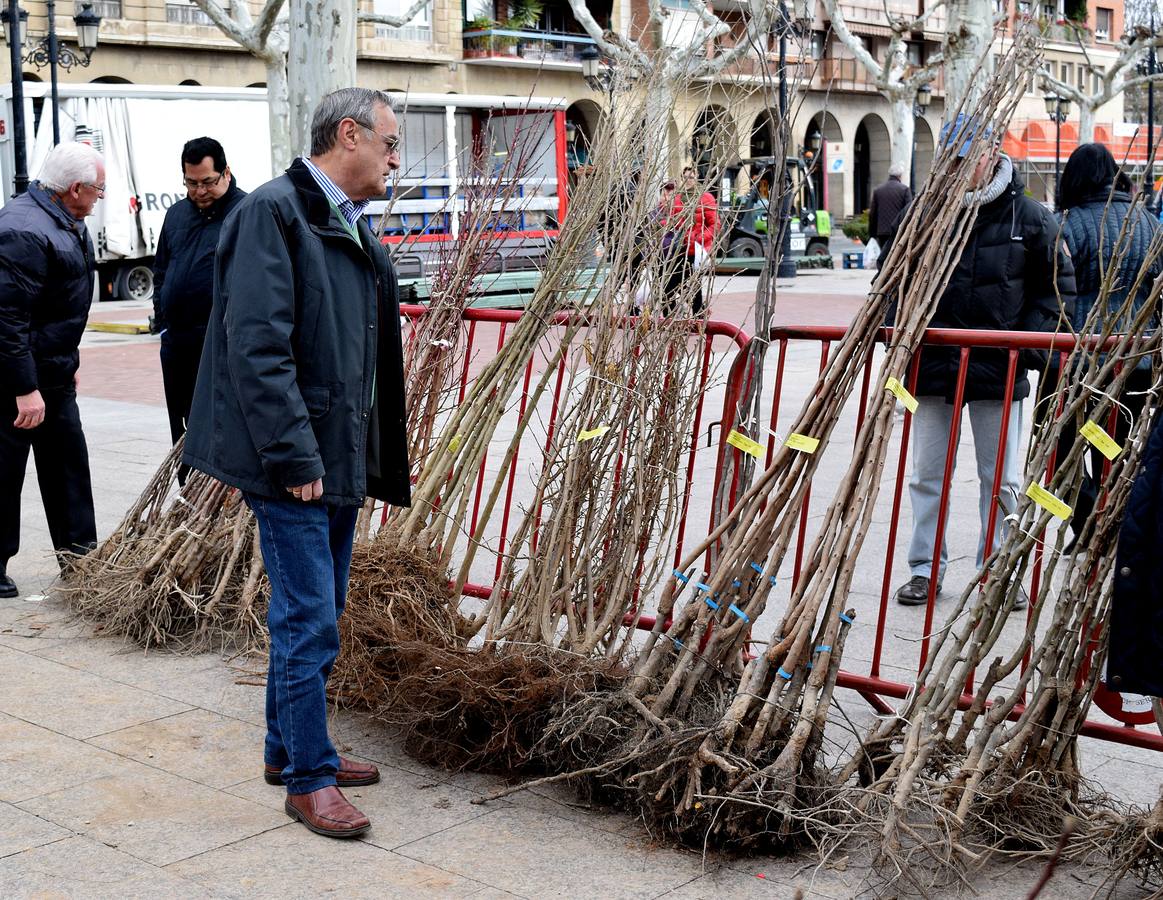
(348, 208)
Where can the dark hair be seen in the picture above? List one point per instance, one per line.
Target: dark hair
(199, 148)
(1090, 170)
(668, 186)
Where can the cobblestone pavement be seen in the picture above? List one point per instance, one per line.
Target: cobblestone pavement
(130, 774)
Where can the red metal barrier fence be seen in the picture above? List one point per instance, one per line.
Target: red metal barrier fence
(879, 665)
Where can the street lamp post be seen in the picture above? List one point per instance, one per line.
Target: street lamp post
(920, 106)
(787, 265)
(1058, 109)
(598, 77)
(15, 20)
(48, 51)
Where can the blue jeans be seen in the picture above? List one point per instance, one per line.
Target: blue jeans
(307, 551)
(931, 424)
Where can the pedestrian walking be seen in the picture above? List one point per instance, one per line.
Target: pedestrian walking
(183, 272)
(1009, 277)
(1094, 207)
(47, 271)
(300, 404)
(888, 202)
(698, 212)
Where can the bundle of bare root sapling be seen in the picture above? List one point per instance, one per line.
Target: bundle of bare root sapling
(941, 792)
(754, 774)
(181, 570)
(434, 343)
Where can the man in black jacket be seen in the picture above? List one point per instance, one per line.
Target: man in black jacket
(183, 271)
(888, 202)
(1006, 279)
(46, 286)
(300, 403)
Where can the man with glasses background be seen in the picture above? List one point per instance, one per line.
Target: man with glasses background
(300, 404)
(47, 270)
(183, 272)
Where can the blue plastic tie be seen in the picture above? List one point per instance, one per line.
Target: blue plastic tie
(844, 618)
(823, 648)
(711, 603)
(677, 642)
(703, 587)
(681, 577)
(773, 581)
(783, 674)
(742, 615)
(757, 567)
(808, 665)
(737, 583)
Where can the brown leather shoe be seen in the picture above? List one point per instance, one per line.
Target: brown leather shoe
(350, 774)
(327, 812)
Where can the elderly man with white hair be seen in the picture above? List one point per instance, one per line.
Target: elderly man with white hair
(888, 202)
(47, 268)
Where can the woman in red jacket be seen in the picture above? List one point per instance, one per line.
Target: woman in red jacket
(701, 211)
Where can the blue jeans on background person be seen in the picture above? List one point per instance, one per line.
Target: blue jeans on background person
(306, 548)
(931, 424)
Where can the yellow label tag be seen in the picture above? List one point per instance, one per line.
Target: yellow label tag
(802, 442)
(592, 433)
(899, 391)
(1097, 435)
(744, 443)
(1048, 501)
(454, 444)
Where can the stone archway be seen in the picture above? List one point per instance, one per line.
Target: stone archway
(871, 152)
(713, 144)
(764, 134)
(581, 125)
(823, 129)
(923, 150)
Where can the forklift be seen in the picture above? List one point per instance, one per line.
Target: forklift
(746, 218)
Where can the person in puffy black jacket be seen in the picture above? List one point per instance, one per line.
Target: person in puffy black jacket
(46, 287)
(1005, 280)
(183, 271)
(1135, 645)
(1094, 213)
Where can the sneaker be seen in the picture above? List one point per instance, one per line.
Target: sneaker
(915, 591)
(8, 587)
(1022, 600)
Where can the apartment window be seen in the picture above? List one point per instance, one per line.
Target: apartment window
(915, 53)
(1024, 7)
(1066, 73)
(1099, 71)
(419, 28)
(184, 12)
(1102, 23)
(1081, 77)
(1049, 11)
(106, 9)
(818, 43)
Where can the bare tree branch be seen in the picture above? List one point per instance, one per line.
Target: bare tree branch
(266, 20)
(394, 21)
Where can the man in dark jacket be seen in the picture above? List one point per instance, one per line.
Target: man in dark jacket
(183, 271)
(300, 403)
(888, 202)
(1136, 621)
(46, 286)
(1004, 281)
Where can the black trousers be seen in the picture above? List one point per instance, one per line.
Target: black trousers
(1134, 398)
(62, 468)
(684, 268)
(180, 357)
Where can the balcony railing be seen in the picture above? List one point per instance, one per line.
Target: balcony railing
(186, 14)
(837, 71)
(106, 9)
(534, 46)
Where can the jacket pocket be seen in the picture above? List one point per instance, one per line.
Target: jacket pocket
(317, 400)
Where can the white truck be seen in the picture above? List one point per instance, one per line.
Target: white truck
(141, 130)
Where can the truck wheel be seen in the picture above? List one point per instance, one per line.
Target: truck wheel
(818, 248)
(745, 247)
(135, 283)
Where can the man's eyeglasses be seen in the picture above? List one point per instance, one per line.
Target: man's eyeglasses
(99, 188)
(391, 144)
(205, 184)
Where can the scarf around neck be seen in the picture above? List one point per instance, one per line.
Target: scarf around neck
(1001, 179)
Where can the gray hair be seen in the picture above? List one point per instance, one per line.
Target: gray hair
(896, 170)
(354, 103)
(68, 163)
